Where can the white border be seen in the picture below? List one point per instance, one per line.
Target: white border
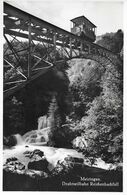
(125, 104)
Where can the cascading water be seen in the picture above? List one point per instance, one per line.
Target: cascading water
(34, 137)
(35, 140)
(19, 139)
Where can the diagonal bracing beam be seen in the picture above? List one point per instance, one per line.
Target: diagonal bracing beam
(54, 40)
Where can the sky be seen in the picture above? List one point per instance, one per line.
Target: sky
(106, 15)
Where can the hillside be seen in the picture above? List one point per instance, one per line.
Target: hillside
(97, 102)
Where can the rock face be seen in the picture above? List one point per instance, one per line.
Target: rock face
(67, 165)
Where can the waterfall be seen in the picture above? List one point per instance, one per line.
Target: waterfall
(19, 139)
(13, 140)
(39, 136)
(33, 137)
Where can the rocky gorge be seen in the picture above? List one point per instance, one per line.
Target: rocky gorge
(88, 113)
(35, 168)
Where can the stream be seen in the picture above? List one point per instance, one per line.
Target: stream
(31, 148)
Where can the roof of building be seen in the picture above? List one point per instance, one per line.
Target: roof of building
(81, 19)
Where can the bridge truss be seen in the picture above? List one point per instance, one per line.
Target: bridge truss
(20, 27)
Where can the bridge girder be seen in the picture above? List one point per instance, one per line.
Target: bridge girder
(19, 26)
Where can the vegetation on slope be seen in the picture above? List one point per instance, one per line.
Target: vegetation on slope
(95, 116)
(97, 102)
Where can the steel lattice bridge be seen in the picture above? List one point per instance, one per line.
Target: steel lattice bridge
(19, 26)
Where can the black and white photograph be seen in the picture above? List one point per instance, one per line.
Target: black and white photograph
(63, 65)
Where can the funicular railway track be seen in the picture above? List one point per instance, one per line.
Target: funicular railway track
(20, 25)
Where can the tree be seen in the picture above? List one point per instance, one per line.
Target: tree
(101, 123)
(112, 41)
(84, 85)
(60, 133)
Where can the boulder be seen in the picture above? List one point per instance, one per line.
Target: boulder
(68, 165)
(74, 160)
(34, 155)
(41, 165)
(62, 168)
(37, 160)
(13, 164)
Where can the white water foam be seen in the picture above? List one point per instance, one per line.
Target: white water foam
(35, 137)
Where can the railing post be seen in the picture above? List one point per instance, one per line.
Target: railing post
(29, 49)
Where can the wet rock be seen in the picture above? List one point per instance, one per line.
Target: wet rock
(67, 165)
(13, 164)
(37, 160)
(11, 159)
(36, 173)
(63, 167)
(74, 159)
(41, 165)
(35, 155)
